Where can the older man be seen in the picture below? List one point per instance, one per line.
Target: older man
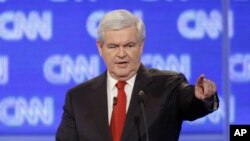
(129, 102)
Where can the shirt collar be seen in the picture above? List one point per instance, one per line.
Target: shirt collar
(111, 81)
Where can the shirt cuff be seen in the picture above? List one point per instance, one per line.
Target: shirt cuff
(212, 103)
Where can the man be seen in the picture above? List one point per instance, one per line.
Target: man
(129, 102)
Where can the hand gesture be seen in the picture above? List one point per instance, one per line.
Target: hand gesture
(204, 88)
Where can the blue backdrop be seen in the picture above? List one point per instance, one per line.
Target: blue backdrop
(48, 46)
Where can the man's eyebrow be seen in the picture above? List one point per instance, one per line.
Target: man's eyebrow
(112, 44)
(130, 43)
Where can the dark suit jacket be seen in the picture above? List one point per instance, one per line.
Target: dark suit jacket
(168, 100)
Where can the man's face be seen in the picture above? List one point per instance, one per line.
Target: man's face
(121, 52)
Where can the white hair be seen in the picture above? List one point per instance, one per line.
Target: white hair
(120, 19)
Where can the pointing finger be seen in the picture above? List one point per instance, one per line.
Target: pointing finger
(200, 79)
(209, 87)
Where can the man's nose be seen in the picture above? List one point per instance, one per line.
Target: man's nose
(121, 52)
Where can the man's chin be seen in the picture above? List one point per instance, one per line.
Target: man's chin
(122, 73)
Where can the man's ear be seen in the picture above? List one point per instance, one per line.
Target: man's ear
(99, 46)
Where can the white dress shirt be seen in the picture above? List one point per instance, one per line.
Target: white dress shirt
(113, 92)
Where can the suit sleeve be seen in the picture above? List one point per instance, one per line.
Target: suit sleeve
(190, 107)
(67, 128)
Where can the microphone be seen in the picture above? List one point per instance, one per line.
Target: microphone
(114, 101)
(141, 101)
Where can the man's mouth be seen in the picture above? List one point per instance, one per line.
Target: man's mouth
(122, 62)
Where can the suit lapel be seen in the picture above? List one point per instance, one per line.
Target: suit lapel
(141, 83)
(101, 111)
(100, 95)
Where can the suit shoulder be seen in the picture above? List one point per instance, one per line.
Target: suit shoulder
(166, 75)
(168, 78)
(86, 85)
(163, 73)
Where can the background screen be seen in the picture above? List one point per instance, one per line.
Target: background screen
(49, 46)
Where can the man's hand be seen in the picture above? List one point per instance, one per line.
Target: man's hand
(204, 88)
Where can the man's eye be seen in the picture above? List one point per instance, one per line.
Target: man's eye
(112, 46)
(130, 45)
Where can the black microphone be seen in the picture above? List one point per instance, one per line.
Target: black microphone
(141, 101)
(114, 101)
